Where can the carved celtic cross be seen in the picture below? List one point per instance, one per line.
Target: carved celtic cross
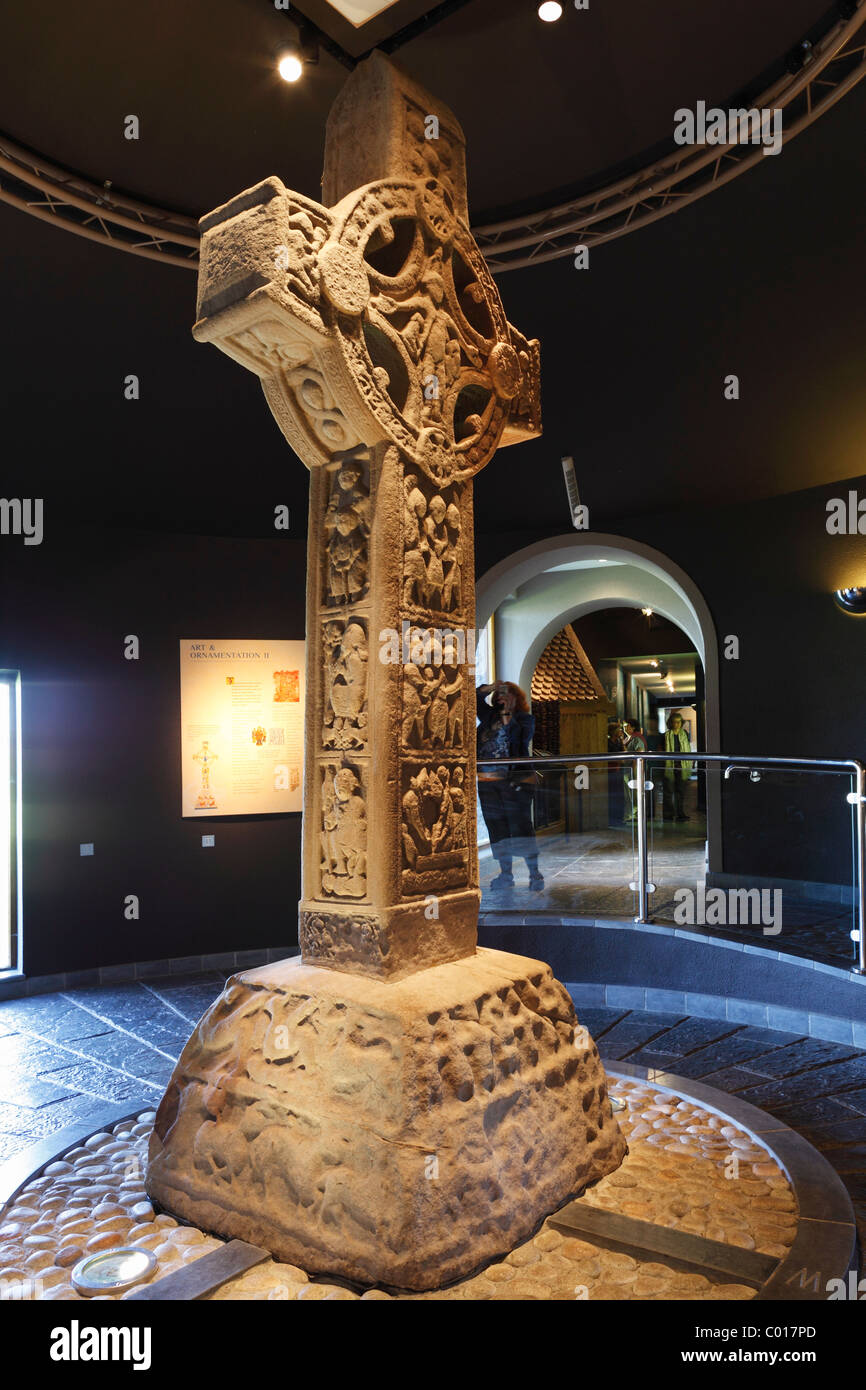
(388, 363)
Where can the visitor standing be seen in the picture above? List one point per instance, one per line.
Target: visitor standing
(677, 773)
(633, 741)
(505, 731)
(655, 742)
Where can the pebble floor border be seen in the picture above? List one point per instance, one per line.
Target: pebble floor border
(824, 1243)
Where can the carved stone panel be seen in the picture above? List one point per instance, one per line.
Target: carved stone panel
(433, 550)
(344, 658)
(339, 939)
(433, 712)
(343, 835)
(346, 532)
(433, 827)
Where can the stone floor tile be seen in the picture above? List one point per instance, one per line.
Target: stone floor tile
(90, 1079)
(732, 1079)
(31, 1093)
(800, 1056)
(600, 1020)
(634, 1032)
(692, 1034)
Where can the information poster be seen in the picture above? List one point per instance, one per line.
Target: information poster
(242, 727)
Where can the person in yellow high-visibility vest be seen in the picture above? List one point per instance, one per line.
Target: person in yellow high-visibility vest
(677, 773)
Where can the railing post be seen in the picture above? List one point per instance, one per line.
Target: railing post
(642, 845)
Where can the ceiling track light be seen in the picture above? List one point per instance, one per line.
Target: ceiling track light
(289, 65)
(291, 59)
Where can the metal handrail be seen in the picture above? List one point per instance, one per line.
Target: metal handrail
(660, 755)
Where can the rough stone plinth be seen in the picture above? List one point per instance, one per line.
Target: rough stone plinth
(392, 1133)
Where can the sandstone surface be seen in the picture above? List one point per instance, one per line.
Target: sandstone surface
(393, 1133)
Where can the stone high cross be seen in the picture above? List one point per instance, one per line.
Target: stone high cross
(417, 1106)
(386, 358)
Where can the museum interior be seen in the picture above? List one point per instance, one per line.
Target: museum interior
(554, 363)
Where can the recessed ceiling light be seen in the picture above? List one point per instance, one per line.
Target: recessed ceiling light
(550, 11)
(290, 67)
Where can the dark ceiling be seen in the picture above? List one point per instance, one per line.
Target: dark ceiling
(544, 106)
(762, 278)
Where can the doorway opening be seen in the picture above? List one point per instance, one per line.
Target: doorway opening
(600, 631)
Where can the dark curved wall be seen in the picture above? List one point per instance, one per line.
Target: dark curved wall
(101, 745)
(101, 735)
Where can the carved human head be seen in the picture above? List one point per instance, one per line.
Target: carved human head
(345, 783)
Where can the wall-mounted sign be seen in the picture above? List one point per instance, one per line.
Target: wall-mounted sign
(242, 727)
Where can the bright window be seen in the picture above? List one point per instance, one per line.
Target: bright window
(10, 818)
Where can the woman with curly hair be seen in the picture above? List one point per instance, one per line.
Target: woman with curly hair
(505, 731)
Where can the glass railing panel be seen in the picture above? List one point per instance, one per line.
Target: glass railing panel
(565, 832)
(767, 855)
(676, 801)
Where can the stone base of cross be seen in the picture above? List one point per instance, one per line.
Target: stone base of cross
(397, 1106)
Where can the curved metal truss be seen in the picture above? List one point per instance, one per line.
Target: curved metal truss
(832, 66)
(835, 64)
(68, 200)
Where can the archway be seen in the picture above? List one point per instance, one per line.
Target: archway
(536, 591)
(560, 579)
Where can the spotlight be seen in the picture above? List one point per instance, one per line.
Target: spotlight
(647, 612)
(550, 11)
(851, 600)
(290, 66)
(799, 57)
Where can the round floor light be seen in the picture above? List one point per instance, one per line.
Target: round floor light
(113, 1271)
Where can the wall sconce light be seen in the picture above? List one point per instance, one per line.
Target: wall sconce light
(851, 600)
